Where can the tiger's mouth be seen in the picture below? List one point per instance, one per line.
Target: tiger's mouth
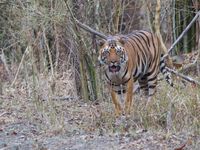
(114, 68)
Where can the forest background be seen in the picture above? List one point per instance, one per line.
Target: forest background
(52, 86)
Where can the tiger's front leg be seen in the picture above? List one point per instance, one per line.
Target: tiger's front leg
(129, 96)
(118, 108)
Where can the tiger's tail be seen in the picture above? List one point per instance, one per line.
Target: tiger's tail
(165, 72)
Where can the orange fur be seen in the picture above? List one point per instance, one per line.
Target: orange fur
(127, 58)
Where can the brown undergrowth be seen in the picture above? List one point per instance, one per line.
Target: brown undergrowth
(56, 118)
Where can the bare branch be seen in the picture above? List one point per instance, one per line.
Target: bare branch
(88, 29)
(189, 79)
(83, 26)
(182, 34)
(61, 98)
(20, 65)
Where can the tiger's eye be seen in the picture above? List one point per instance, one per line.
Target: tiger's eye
(119, 51)
(105, 52)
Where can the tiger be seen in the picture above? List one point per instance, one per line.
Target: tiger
(135, 57)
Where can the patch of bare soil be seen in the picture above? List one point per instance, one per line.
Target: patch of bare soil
(82, 131)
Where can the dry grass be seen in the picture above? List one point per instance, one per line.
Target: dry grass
(41, 110)
(174, 114)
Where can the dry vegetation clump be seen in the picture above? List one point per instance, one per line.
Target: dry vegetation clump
(49, 122)
(45, 60)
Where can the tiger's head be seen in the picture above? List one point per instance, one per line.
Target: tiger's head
(112, 53)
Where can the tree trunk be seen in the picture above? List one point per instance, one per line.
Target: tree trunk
(87, 69)
(157, 30)
(81, 50)
(117, 14)
(98, 74)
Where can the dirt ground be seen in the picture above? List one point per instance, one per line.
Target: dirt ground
(19, 132)
(31, 119)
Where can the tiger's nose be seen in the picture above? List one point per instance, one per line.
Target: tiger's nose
(113, 61)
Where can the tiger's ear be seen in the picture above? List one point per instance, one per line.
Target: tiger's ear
(123, 40)
(101, 42)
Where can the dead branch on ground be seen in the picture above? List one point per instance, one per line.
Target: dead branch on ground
(60, 98)
(189, 79)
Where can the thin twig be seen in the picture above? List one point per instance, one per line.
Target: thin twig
(20, 65)
(61, 98)
(11, 45)
(4, 113)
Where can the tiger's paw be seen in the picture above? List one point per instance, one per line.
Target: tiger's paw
(118, 113)
(122, 125)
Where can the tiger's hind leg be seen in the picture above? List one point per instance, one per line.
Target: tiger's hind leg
(143, 82)
(152, 82)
